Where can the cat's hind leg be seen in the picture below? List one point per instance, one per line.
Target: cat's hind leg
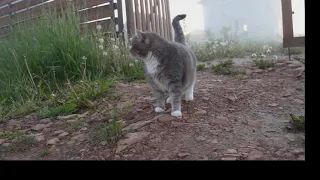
(175, 100)
(160, 102)
(189, 93)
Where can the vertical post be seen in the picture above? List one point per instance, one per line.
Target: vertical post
(169, 20)
(130, 18)
(147, 15)
(143, 17)
(120, 20)
(138, 15)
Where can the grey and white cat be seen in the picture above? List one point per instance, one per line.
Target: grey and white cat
(170, 67)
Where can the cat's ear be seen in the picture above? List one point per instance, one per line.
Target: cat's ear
(142, 36)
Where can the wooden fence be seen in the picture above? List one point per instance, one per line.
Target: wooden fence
(149, 15)
(288, 36)
(145, 15)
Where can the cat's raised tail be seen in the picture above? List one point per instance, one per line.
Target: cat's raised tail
(178, 31)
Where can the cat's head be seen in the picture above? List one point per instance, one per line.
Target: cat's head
(142, 44)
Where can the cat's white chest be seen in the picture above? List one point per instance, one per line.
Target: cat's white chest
(151, 64)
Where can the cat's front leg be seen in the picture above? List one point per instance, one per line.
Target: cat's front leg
(160, 101)
(175, 100)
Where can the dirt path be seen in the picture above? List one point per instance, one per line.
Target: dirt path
(231, 118)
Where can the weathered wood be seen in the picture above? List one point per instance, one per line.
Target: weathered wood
(160, 18)
(143, 16)
(153, 22)
(165, 34)
(137, 14)
(130, 18)
(147, 15)
(97, 13)
(169, 27)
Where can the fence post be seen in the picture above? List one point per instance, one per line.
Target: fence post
(130, 18)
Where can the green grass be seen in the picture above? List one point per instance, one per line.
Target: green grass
(264, 64)
(201, 67)
(225, 68)
(53, 57)
(109, 133)
(298, 122)
(44, 152)
(19, 144)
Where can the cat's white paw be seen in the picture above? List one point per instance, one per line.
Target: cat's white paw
(176, 114)
(159, 110)
(189, 98)
(168, 100)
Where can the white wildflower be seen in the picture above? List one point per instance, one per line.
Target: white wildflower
(254, 55)
(275, 57)
(112, 39)
(53, 95)
(225, 43)
(81, 81)
(101, 40)
(82, 39)
(263, 56)
(136, 61)
(115, 47)
(100, 47)
(268, 51)
(105, 53)
(84, 58)
(99, 27)
(265, 47)
(131, 64)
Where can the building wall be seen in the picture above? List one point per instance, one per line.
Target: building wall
(261, 16)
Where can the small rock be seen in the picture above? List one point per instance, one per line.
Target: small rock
(220, 121)
(57, 132)
(229, 158)
(205, 99)
(182, 155)
(270, 69)
(72, 120)
(63, 134)
(248, 72)
(256, 124)
(2, 141)
(201, 138)
(257, 71)
(6, 144)
(255, 155)
(201, 112)
(103, 143)
(52, 141)
(135, 126)
(71, 116)
(40, 127)
(83, 115)
(45, 121)
(231, 151)
(215, 141)
(294, 66)
(39, 138)
(287, 95)
(273, 105)
(298, 101)
(96, 117)
(131, 138)
(298, 151)
(166, 118)
(231, 98)
(79, 137)
(84, 129)
(301, 158)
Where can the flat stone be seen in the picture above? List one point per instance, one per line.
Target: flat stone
(166, 118)
(40, 127)
(182, 155)
(136, 126)
(255, 155)
(57, 132)
(45, 121)
(52, 141)
(64, 134)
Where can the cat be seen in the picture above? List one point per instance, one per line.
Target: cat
(170, 66)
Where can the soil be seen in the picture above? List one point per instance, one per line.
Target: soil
(244, 117)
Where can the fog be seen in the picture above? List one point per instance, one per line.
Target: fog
(248, 19)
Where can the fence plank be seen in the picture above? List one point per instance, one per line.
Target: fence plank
(137, 13)
(165, 34)
(160, 18)
(147, 15)
(130, 18)
(4, 21)
(4, 2)
(96, 13)
(156, 16)
(105, 24)
(143, 16)
(169, 20)
(153, 23)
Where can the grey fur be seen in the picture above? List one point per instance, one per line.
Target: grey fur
(170, 68)
(178, 31)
